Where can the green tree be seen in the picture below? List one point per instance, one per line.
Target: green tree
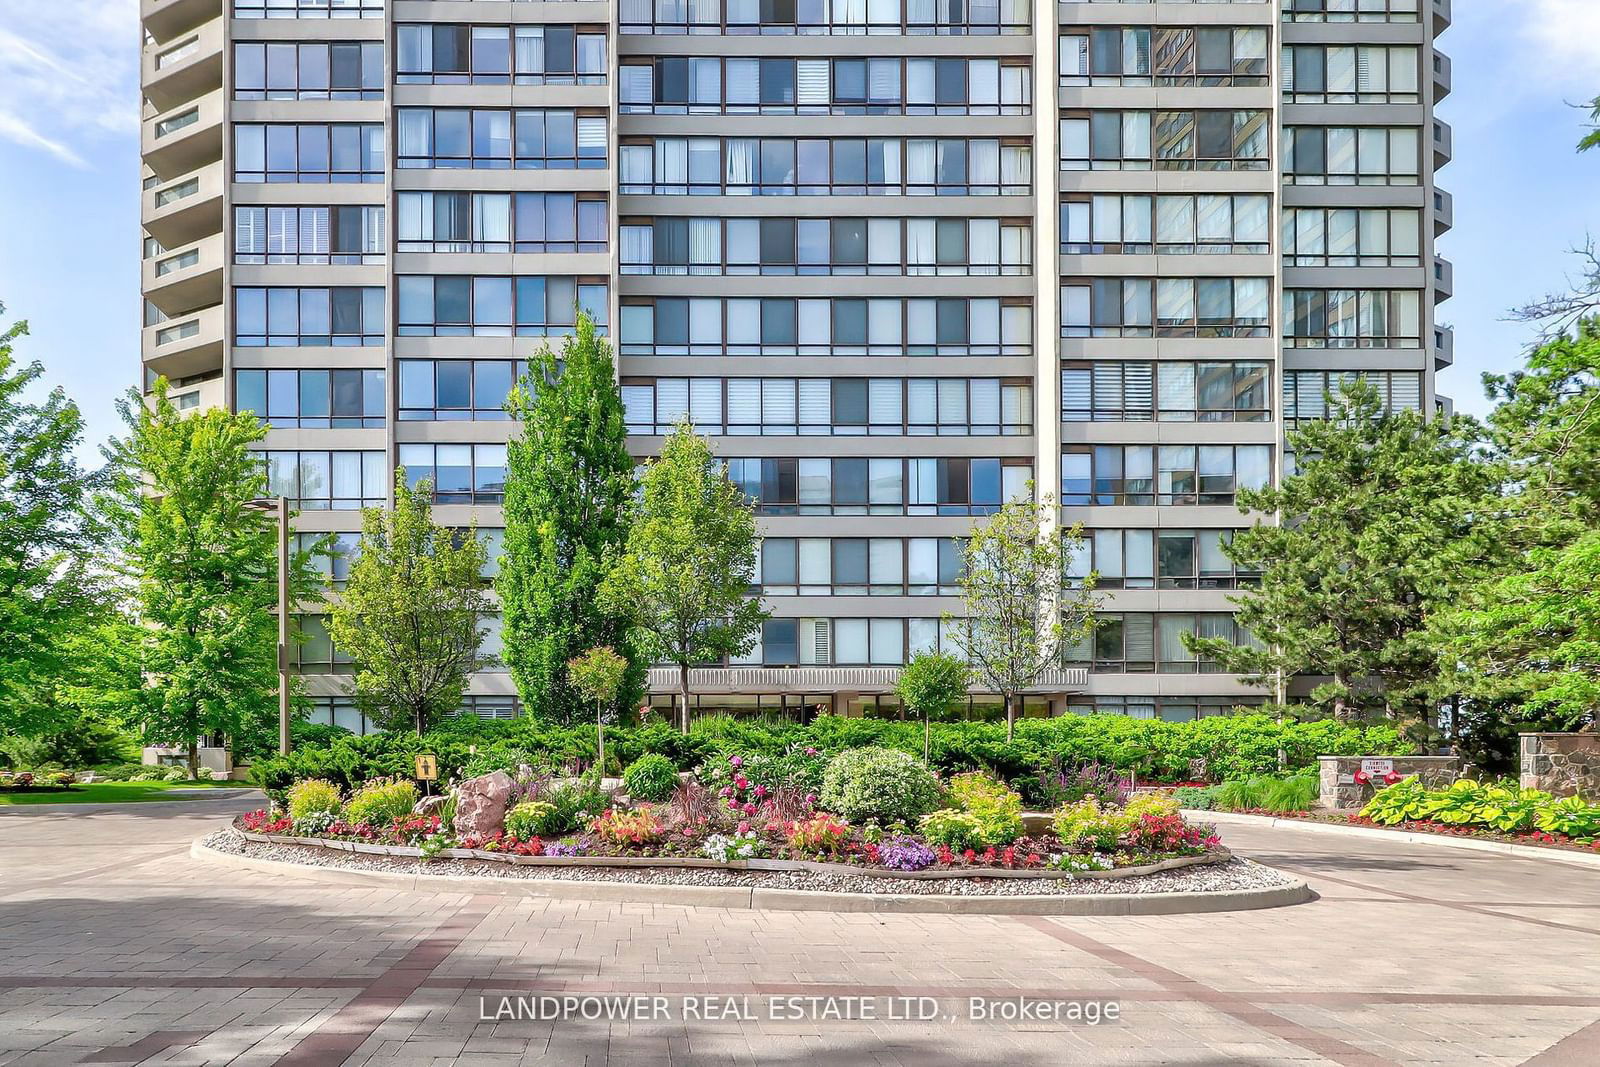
(598, 675)
(569, 490)
(1378, 533)
(685, 576)
(204, 568)
(1018, 618)
(46, 545)
(411, 611)
(933, 684)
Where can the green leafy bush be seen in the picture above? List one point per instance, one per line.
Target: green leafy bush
(997, 807)
(650, 777)
(1297, 792)
(1196, 798)
(1571, 816)
(959, 830)
(313, 796)
(878, 783)
(1087, 825)
(381, 802)
(1241, 794)
(573, 806)
(1407, 799)
(531, 818)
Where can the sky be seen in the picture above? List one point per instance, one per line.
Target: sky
(69, 183)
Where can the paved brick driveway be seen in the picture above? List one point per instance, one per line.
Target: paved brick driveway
(117, 948)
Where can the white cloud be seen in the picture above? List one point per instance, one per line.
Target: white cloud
(1563, 39)
(71, 74)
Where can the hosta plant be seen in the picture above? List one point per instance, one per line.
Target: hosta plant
(1570, 817)
(1406, 800)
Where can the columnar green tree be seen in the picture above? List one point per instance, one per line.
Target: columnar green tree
(46, 586)
(1018, 618)
(598, 674)
(933, 684)
(690, 562)
(1378, 532)
(411, 614)
(203, 565)
(569, 488)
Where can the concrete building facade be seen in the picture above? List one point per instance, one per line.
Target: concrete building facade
(899, 258)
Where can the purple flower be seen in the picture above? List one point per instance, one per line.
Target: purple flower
(736, 761)
(727, 791)
(811, 799)
(811, 751)
(905, 854)
(563, 850)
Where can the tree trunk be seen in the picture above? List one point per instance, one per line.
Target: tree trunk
(683, 693)
(600, 740)
(194, 758)
(1011, 715)
(927, 738)
(416, 718)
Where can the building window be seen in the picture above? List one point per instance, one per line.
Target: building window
(341, 712)
(1165, 140)
(1138, 224)
(844, 326)
(308, 9)
(1351, 74)
(1165, 55)
(860, 566)
(456, 305)
(289, 317)
(879, 486)
(501, 222)
(308, 70)
(334, 564)
(328, 481)
(1146, 643)
(1166, 307)
(1352, 237)
(845, 407)
(1150, 559)
(1140, 391)
(548, 54)
(826, 246)
(316, 654)
(711, 85)
(312, 399)
(1306, 392)
(1352, 155)
(308, 152)
(344, 234)
(457, 390)
(1352, 10)
(773, 166)
(498, 139)
(1352, 318)
(784, 18)
(1164, 475)
(1168, 709)
(460, 474)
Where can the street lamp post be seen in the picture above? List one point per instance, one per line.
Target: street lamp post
(280, 505)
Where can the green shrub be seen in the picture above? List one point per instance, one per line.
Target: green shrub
(573, 806)
(1197, 798)
(959, 830)
(1297, 792)
(997, 807)
(175, 774)
(1405, 800)
(311, 796)
(878, 783)
(1241, 794)
(381, 801)
(529, 819)
(1087, 825)
(650, 777)
(1141, 804)
(1571, 816)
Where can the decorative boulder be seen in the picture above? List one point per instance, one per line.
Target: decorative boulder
(1035, 823)
(481, 809)
(430, 805)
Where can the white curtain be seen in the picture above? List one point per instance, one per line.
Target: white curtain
(740, 155)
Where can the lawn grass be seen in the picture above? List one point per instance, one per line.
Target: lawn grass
(112, 793)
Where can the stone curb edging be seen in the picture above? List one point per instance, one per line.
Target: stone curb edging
(758, 899)
(1218, 855)
(1409, 837)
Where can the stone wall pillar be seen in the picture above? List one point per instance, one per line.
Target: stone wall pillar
(1341, 792)
(1563, 764)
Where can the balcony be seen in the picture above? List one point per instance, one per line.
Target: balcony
(1444, 279)
(1441, 76)
(1443, 144)
(1444, 212)
(1441, 16)
(1444, 347)
(166, 19)
(180, 280)
(183, 69)
(184, 139)
(822, 679)
(186, 345)
(185, 209)
(200, 396)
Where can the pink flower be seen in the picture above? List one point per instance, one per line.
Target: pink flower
(761, 790)
(749, 809)
(811, 751)
(811, 798)
(744, 826)
(727, 791)
(733, 804)
(742, 782)
(736, 761)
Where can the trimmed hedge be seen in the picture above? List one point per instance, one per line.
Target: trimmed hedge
(1233, 746)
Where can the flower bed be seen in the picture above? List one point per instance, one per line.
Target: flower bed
(29, 782)
(874, 811)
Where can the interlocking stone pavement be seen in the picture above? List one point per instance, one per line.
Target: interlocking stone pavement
(117, 948)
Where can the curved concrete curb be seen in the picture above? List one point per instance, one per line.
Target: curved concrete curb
(755, 898)
(1408, 837)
